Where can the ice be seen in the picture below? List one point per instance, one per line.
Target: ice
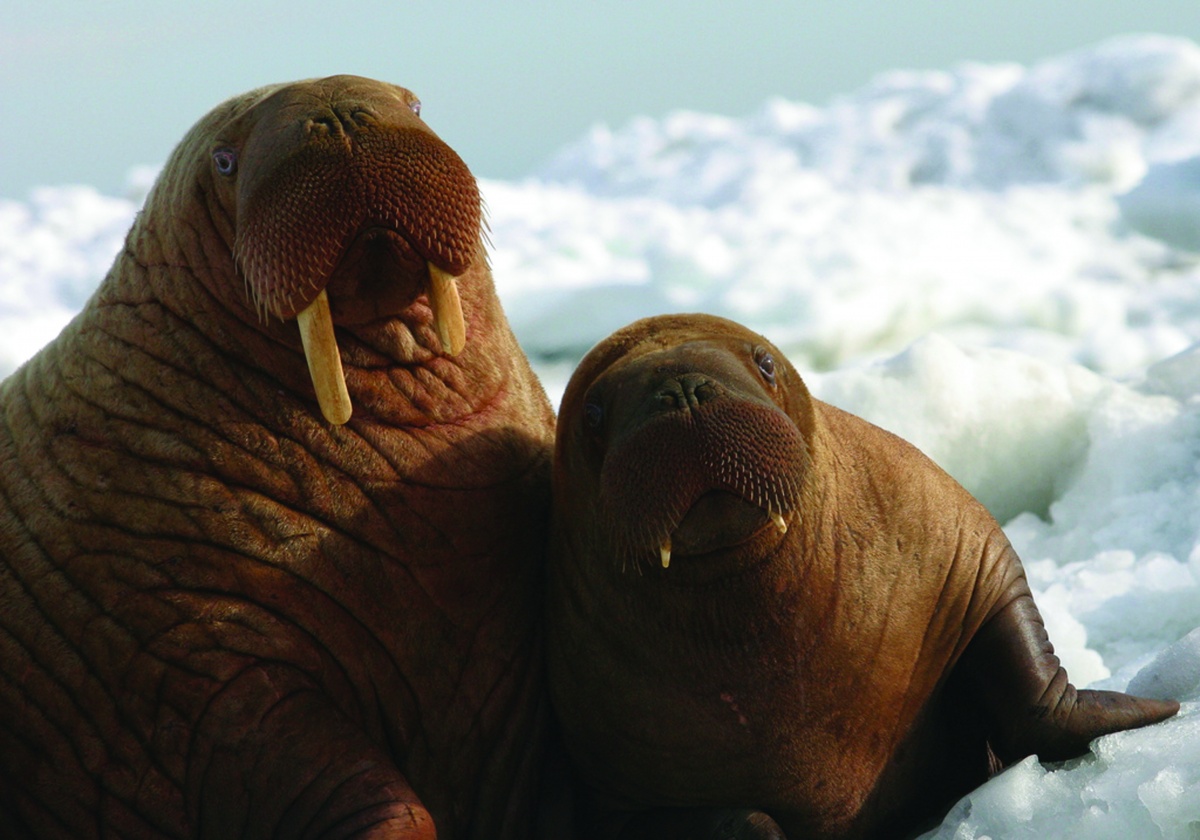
(1172, 674)
(1142, 785)
(997, 262)
(1166, 203)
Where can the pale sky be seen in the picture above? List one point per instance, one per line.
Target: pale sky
(91, 89)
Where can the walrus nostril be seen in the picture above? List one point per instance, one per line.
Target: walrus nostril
(354, 117)
(703, 391)
(338, 121)
(669, 397)
(687, 390)
(322, 125)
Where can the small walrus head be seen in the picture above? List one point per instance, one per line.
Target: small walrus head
(337, 204)
(681, 437)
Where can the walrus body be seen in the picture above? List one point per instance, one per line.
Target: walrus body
(222, 615)
(758, 601)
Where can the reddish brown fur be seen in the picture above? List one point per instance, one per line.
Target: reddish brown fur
(809, 674)
(221, 616)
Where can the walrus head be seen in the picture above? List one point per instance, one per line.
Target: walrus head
(682, 438)
(339, 205)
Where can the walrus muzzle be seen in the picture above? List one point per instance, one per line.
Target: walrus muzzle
(730, 453)
(303, 222)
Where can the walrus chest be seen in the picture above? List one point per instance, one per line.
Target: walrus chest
(706, 697)
(786, 686)
(234, 551)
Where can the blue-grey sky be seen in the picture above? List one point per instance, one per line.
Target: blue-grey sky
(90, 89)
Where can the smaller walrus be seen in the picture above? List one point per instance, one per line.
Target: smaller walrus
(757, 601)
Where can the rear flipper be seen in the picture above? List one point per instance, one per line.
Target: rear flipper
(1031, 705)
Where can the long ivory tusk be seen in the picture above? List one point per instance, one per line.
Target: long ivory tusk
(324, 361)
(664, 552)
(447, 310)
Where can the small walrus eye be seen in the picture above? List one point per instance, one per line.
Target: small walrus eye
(415, 105)
(225, 160)
(766, 364)
(593, 415)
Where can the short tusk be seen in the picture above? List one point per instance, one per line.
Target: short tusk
(447, 310)
(779, 521)
(665, 552)
(324, 361)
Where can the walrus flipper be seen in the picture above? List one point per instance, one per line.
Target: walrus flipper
(256, 775)
(1031, 706)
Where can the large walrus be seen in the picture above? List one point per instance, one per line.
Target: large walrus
(758, 601)
(240, 600)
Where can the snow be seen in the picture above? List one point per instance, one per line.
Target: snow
(996, 262)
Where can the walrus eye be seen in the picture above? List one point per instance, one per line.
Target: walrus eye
(416, 106)
(225, 160)
(593, 415)
(766, 364)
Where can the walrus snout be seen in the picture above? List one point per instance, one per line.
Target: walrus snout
(331, 177)
(348, 208)
(698, 457)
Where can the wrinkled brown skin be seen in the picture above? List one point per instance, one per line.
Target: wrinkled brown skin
(220, 616)
(851, 677)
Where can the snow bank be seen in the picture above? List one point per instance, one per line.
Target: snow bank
(984, 203)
